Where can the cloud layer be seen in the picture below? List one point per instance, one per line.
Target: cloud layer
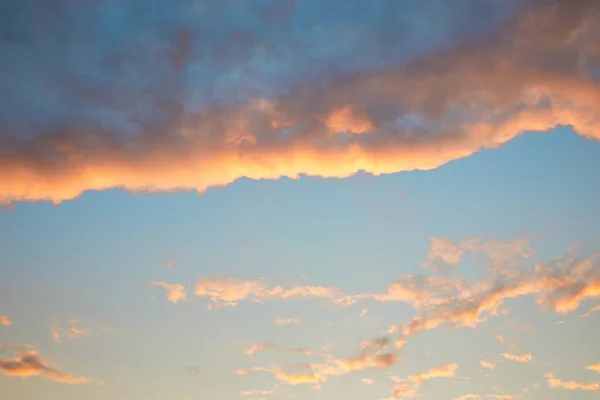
(148, 106)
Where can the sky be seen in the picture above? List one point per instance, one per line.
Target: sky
(303, 199)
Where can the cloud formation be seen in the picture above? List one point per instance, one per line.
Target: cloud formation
(595, 367)
(5, 320)
(180, 105)
(445, 371)
(30, 364)
(555, 383)
(175, 292)
(523, 358)
(71, 331)
(228, 292)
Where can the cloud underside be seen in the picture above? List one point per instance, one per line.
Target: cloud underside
(538, 73)
(30, 364)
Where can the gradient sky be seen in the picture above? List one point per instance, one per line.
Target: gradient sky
(303, 199)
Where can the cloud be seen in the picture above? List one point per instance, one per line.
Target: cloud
(444, 250)
(72, 331)
(256, 394)
(555, 383)
(445, 371)
(487, 365)
(260, 347)
(286, 321)
(175, 292)
(595, 367)
(405, 391)
(367, 381)
(30, 364)
(373, 355)
(5, 320)
(559, 286)
(167, 111)
(468, 397)
(524, 358)
(228, 292)
(592, 310)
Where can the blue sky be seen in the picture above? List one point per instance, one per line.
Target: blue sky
(162, 240)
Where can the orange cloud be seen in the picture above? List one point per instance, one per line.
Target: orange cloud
(558, 288)
(345, 120)
(468, 397)
(487, 96)
(367, 381)
(591, 311)
(524, 358)
(175, 292)
(405, 391)
(256, 394)
(595, 367)
(5, 320)
(30, 364)
(555, 383)
(228, 292)
(445, 250)
(260, 347)
(371, 357)
(72, 331)
(488, 365)
(445, 371)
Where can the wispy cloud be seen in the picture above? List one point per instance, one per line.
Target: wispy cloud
(523, 358)
(71, 331)
(468, 397)
(592, 310)
(555, 383)
(257, 348)
(30, 364)
(487, 365)
(175, 292)
(228, 292)
(595, 367)
(5, 320)
(445, 371)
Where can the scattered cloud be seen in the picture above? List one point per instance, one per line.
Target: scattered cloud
(592, 310)
(445, 371)
(72, 331)
(228, 292)
(595, 367)
(257, 348)
(175, 292)
(256, 394)
(444, 250)
(5, 320)
(555, 383)
(488, 365)
(30, 364)
(524, 358)
(468, 397)
(367, 381)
